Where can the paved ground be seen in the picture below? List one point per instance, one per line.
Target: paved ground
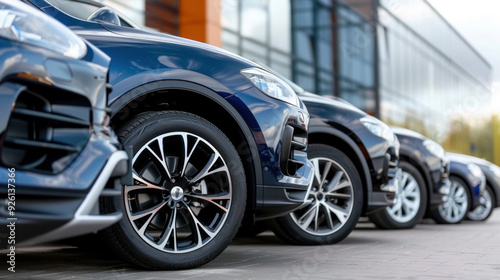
(430, 251)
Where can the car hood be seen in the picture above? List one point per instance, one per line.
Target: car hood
(154, 36)
(399, 131)
(311, 97)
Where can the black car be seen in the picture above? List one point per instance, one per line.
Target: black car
(355, 158)
(58, 155)
(490, 198)
(468, 183)
(214, 137)
(424, 184)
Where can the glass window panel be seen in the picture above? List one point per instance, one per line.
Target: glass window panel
(280, 21)
(255, 20)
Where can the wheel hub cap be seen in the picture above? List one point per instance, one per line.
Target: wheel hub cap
(177, 193)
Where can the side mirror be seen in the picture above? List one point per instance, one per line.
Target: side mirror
(105, 15)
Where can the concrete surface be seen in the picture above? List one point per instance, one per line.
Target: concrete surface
(470, 250)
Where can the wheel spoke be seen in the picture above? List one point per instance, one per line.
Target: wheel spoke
(326, 170)
(339, 212)
(339, 195)
(396, 207)
(187, 154)
(171, 230)
(306, 219)
(206, 169)
(404, 179)
(316, 218)
(198, 225)
(146, 186)
(455, 210)
(460, 192)
(213, 199)
(328, 216)
(449, 211)
(317, 175)
(412, 187)
(312, 207)
(151, 211)
(335, 184)
(161, 157)
(411, 204)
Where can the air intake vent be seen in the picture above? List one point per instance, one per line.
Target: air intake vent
(46, 130)
(294, 141)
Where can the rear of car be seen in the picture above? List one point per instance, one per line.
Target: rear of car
(58, 155)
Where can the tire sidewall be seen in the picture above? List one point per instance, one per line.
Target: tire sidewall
(492, 198)
(305, 238)
(438, 217)
(167, 122)
(413, 171)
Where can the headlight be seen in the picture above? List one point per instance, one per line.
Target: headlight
(434, 148)
(22, 23)
(495, 169)
(271, 85)
(378, 128)
(475, 170)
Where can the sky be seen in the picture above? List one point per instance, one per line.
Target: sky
(478, 22)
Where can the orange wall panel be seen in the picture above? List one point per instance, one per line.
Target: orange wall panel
(200, 20)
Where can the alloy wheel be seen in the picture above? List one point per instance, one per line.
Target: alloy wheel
(182, 192)
(483, 211)
(330, 201)
(407, 202)
(456, 206)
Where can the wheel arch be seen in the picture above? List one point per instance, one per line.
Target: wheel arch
(202, 101)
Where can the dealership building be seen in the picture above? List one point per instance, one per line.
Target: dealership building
(398, 60)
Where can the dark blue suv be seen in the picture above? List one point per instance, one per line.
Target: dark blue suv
(214, 137)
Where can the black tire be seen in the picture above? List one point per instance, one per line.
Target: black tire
(401, 215)
(347, 201)
(483, 212)
(181, 188)
(458, 187)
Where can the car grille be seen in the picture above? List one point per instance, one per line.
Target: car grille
(46, 131)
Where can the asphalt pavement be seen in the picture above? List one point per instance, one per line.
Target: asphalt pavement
(470, 250)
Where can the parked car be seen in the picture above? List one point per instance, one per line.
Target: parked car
(489, 198)
(58, 155)
(424, 184)
(214, 137)
(355, 158)
(467, 184)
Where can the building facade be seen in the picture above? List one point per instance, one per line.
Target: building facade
(396, 59)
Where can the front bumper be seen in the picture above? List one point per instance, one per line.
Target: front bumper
(476, 194)
(280, 200)
(54, 207)
(280, 133)
(386, 182)
(439, 195)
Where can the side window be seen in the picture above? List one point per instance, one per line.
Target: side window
(76, 9)
(90, 11)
